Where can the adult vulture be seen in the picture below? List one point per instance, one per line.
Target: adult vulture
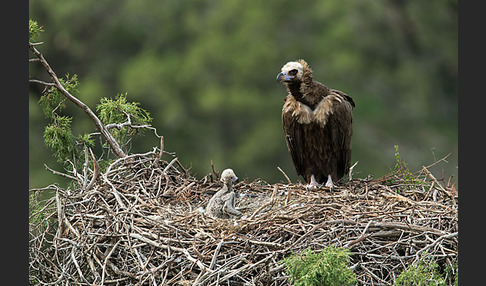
(317, 123)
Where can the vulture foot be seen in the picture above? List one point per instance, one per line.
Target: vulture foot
(313, 185)
(329, 184)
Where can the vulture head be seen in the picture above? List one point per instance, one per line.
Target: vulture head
(291, 72)
(228, 176)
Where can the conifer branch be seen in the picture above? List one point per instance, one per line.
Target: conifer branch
(58, 85)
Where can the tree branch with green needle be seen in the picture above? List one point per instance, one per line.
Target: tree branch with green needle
(59, 86)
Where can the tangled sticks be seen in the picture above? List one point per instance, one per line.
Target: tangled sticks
(141, 223)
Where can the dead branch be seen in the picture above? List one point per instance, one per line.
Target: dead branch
(285, 175)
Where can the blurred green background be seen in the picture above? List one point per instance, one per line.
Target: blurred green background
(205, 70)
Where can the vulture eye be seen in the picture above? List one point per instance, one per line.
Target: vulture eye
(293, 72)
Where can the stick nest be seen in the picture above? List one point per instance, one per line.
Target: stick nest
(142, 222)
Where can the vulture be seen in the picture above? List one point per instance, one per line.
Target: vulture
(317, 124)
(222, 204)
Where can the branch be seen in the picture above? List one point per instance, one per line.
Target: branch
(434, 180)
(285, 175)
(109, 138)
(178, 249)
(96, 171)
(60, 174)
(433, 244)
(161, 151)
(42, 82)
(124, 124)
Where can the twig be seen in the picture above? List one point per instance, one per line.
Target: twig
(429, 174)
(77, 267)
(350, 174)
(40, 81)
(245, 267)
(287, 198)
(60, 174)
(182, 250)
(125, 159)
(433, 244)
(285, 175)
(115, 192)
(106, 262)
(214, 171)
(215, 255)
(360, 238)
(271, 202)
(440, 160)
(96, 170)
(169, 165)
(159, 156)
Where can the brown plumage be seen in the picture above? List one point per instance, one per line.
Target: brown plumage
(317, 123)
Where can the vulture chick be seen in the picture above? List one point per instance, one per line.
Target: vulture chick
(317, 124)
(222, 204)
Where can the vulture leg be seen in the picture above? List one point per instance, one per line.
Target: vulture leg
(229, 207)
(313, 184)
(329, 183)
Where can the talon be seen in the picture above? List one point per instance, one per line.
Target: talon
(329, 184)
(313, 185)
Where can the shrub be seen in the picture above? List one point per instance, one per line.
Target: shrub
(329, 267)
(426, 273)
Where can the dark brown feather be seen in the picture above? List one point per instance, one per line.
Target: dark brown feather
(317, 124)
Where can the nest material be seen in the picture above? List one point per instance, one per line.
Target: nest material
(142, 222)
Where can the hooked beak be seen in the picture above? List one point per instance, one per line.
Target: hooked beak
(234, 179)
(283, 76)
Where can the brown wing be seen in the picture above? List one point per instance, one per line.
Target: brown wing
(334, 140)
(322, 146)
(295, 138)
(347, 97)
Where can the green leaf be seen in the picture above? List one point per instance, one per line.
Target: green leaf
(34, 30)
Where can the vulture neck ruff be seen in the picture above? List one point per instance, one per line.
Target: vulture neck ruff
(306, 89)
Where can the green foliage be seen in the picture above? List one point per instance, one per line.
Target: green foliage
(58, 133)
(401, 166)
(53, 101)
(86, 140)
(119, 111)
(452, 274)
(329, 267)
(58, 136)
(426, 273)
(401, 172)
(34, 30)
